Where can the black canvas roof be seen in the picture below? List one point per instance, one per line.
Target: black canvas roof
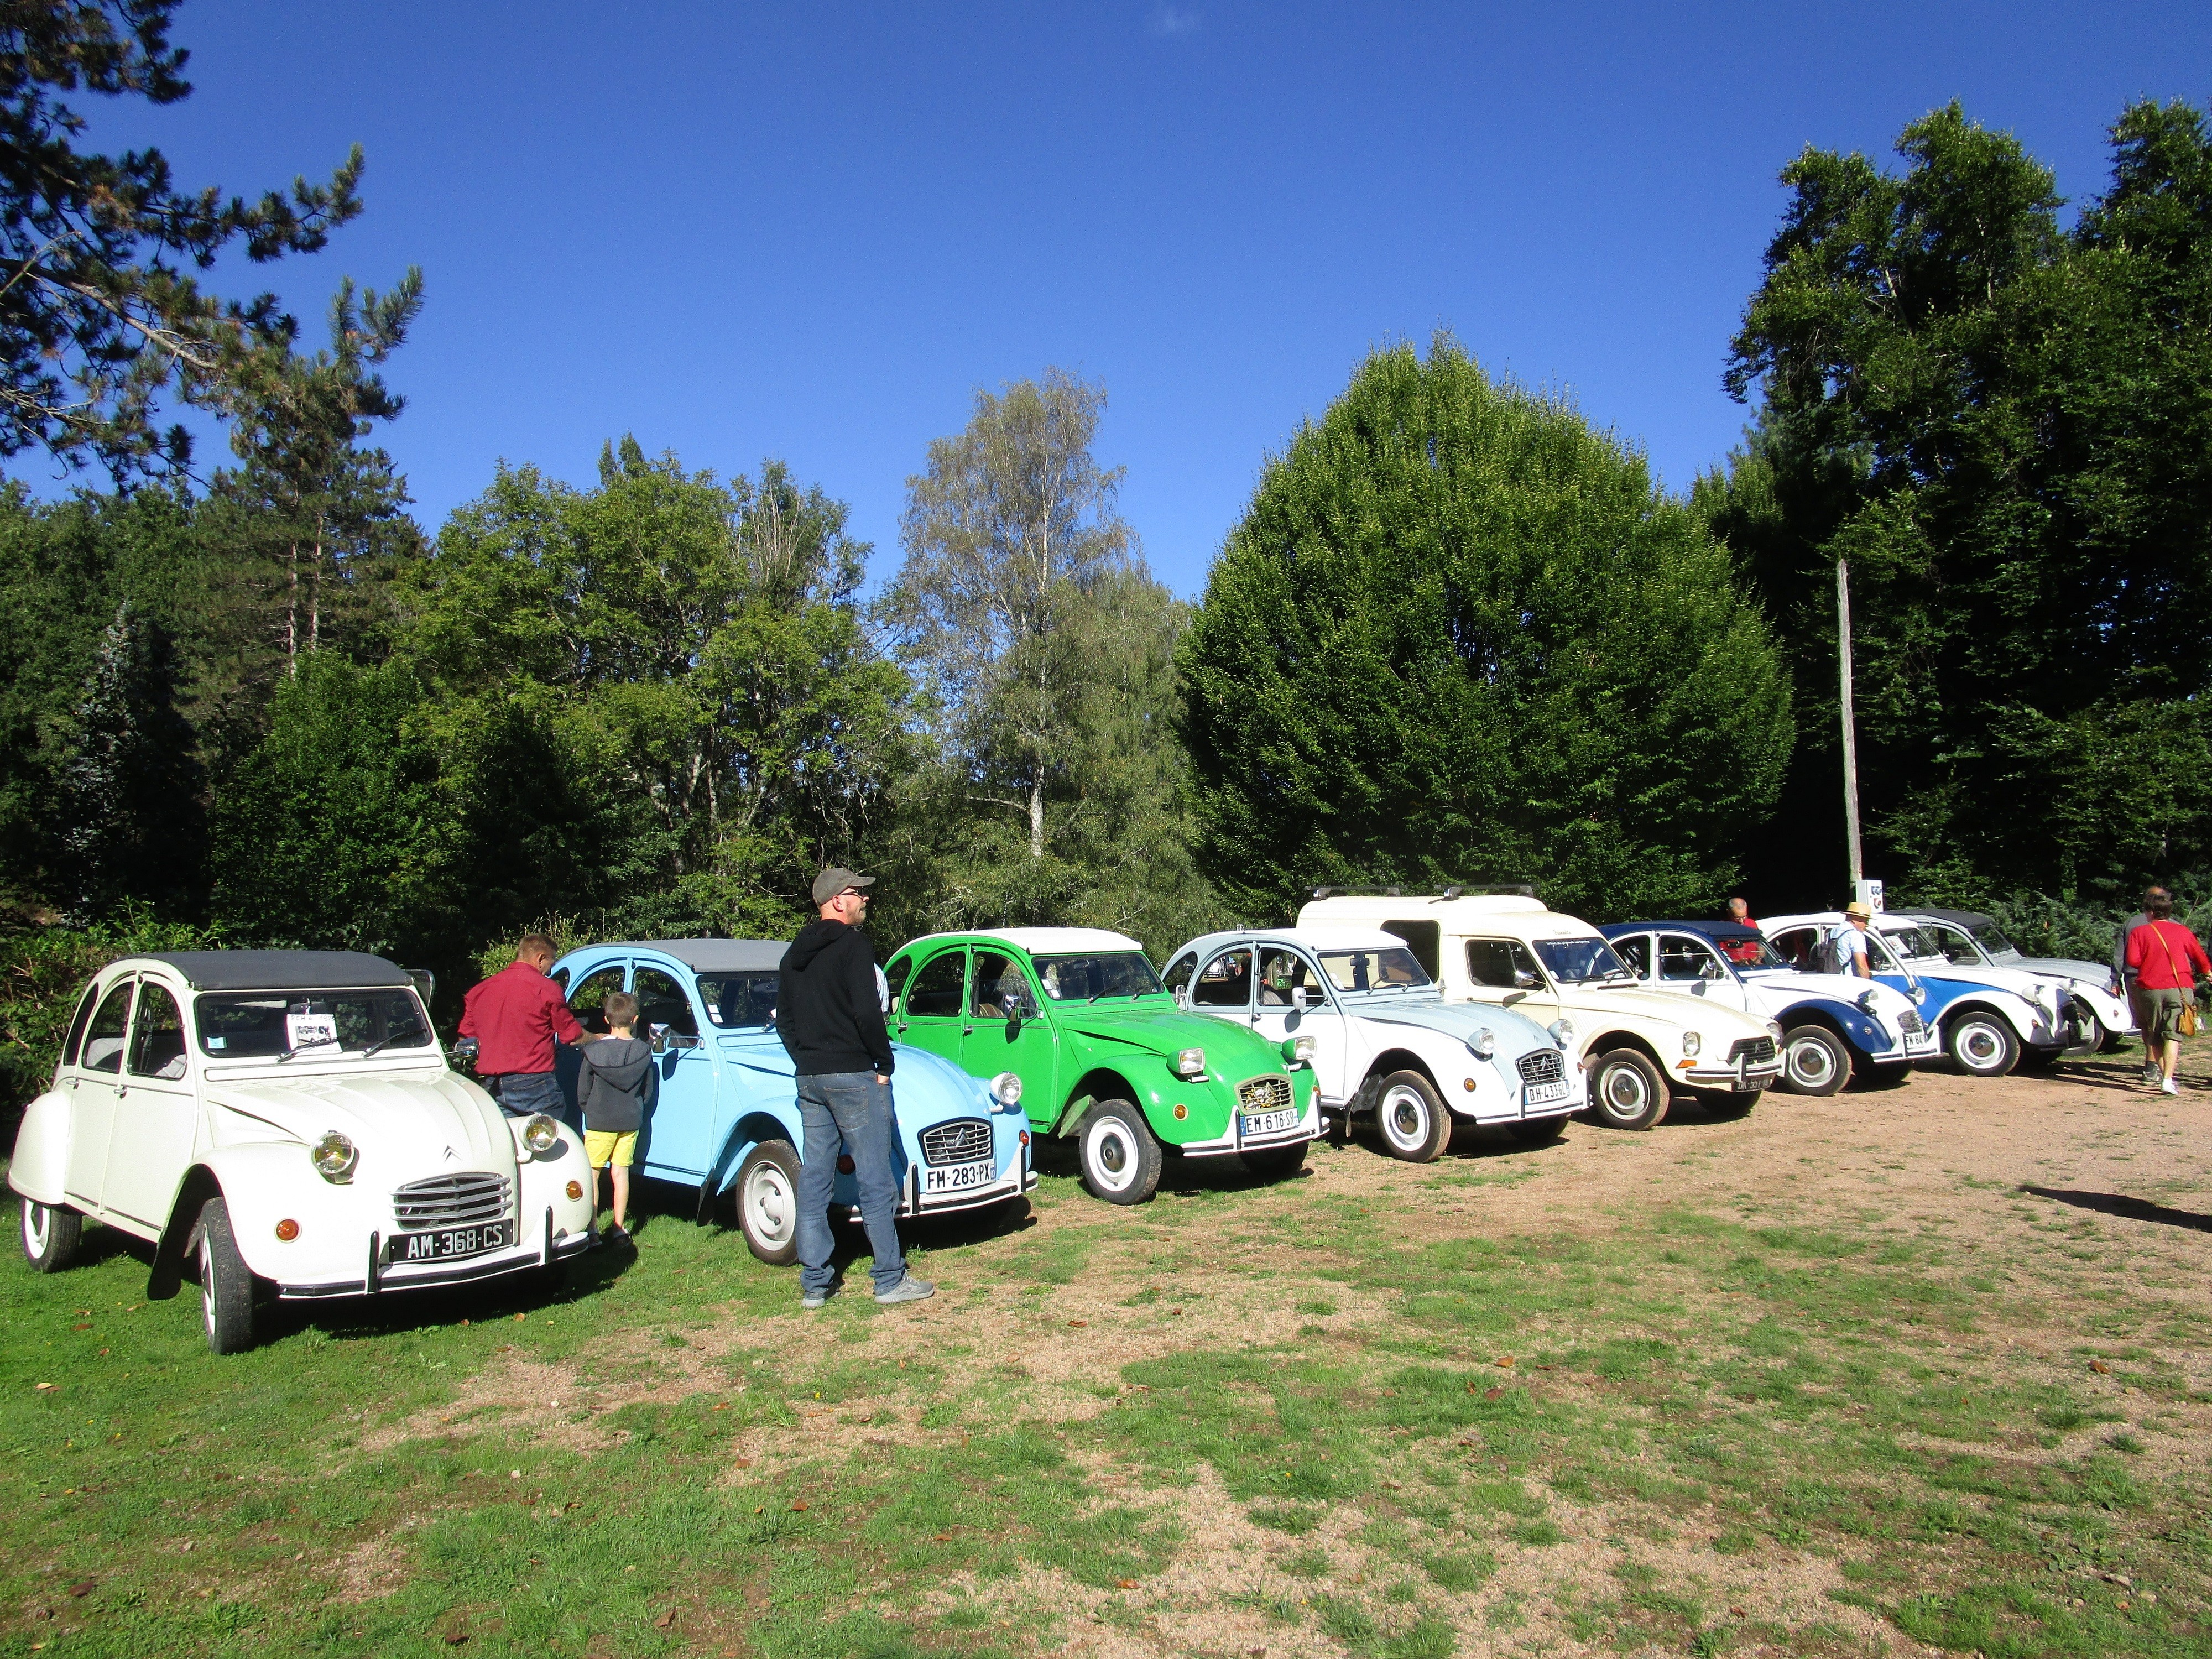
(1969, 920)
(282, 970)
(1714, 930)
(718, 955)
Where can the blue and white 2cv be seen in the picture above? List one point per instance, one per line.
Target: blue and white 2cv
(722, 1114)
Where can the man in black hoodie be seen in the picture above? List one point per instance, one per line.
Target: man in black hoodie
(830, 1012)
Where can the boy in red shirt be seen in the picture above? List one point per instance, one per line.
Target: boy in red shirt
(2165, 961)
(516, 1016)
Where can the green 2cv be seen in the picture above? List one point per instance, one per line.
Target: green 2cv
(1076, 1020)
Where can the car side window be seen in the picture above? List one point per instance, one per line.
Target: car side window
(663, 1004)
(999, 982)
(1504, 964)
(78, 1022)
(937, 987)
(896, 976)
(1226, 981)
(157, 1037)
(1282, 972)
(103, 1038)
(1681, 957)
(1635, 950)
(588, 1001)
(1179, 972)
(1796, 946)
(1956, 947)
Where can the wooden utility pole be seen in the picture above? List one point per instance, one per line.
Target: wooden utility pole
(1850, 736)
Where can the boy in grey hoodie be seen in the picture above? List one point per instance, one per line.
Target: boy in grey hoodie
(611, 1093)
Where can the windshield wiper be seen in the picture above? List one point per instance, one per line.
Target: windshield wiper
(382, 1044)
(317, 1042)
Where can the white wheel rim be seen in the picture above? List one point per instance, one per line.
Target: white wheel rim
(1979, 1045)
(37, 1227)
(207, 1285)
(1111, 1155)
(1811, 1065)
(769, 1206)
(1405, 1117)
(1624, 1093)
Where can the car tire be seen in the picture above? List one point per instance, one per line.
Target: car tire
(1277, 1163)
(767, 1193)
(1725, 1104)
(2043, 1060)
(1884, 1076)
(1537, 1131)
(1627, 1091)
(1815, 1061)
(52, 1235)
(1411, 1118)
(1982, 1044)
(2095, 1039)
(226, 1282)
(1119, 1155)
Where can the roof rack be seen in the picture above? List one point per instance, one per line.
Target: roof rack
(1521, 889)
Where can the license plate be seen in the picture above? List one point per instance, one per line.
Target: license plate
(1267, 1123)
(1543, 1094)
(452, 1241)
(957, 1177)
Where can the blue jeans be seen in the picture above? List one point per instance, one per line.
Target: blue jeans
(532, 1092)
(846, 1112)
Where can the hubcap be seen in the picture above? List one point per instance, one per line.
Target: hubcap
(1112, 1158)
(1981, 1045)
(1405, 1117)
(207, 1285)
(1625, 1093)
(1811, 1064)
(37, 1227)
(769, 1210)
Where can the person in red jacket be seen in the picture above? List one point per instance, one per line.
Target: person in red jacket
(2165, 959)
(516, 1017)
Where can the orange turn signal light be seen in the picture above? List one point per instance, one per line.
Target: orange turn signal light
(287, 1230)
(575, 1189)
(1182, 1111)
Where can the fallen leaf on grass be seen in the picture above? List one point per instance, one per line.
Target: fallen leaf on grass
(1508, 1361)
(742, 1463)
(940, 1538)
(43, 1387)
(2095, 1366)
(1492, 1394)
(1077, 1324)
(801, 1508)
(83, 1587)
(1125, 1583)
(665, 1620)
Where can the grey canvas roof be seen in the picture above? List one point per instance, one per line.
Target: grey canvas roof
(282, 970)
(1969, 920)
(718, 955)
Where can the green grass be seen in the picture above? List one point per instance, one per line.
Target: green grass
(972, 1479)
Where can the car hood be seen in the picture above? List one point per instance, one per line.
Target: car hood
(2096, 974)
(2018, 981)
(1164, 1031)
(1460, 1021)
(1781, 986)
(1675, 1008)
(398, 1122)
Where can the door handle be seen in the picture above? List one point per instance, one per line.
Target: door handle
(121, 1090)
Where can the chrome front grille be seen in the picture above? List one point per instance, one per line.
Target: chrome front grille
(1758, 1050)
(1264, 1094)
(453, 1201)
(1910, 1024)
(964, 1140)
(1542, 1066)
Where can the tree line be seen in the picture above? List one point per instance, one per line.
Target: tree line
(1458, 633)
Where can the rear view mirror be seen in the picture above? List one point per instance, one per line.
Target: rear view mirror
(1298, 998)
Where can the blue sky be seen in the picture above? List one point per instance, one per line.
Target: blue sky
(811, 232)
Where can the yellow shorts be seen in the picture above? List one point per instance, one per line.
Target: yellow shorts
(605, 1146)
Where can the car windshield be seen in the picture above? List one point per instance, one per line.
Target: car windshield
(1926, 944)
(1749, 951)
(283, 1023)
(1579, 961)
(1999, 948)
(734, 999)
(1087, 978)
(1392, 969)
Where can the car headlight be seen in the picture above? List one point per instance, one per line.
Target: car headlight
(1007, 1089)
(1485, 1044)
(1919, 992)
(1691, 1042)
(1298, 1050)
(541, 1134)
(1190, 1062)
(1774, 1030)
(334, 1156)
(1562, 1031)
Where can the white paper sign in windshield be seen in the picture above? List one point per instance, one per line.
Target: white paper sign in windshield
(311, 1030)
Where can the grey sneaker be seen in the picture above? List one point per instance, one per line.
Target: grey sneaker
(909, 1289)
(814, 1299)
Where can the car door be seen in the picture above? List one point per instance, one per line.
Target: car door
(156, 1112)
(1223, 987)
(91, 1084)
(1635, 950)
(990, 1044)
(587, 1002)
(679, 1099)
(932, 1011)
(1689, 963)
(1282, 974)
(1504, 971)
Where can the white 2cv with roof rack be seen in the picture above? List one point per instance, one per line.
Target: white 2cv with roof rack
(285, 1122)
(1507, 949)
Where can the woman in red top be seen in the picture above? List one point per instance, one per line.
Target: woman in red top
(2167, 961)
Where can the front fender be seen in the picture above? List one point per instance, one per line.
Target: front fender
(1862, 1029)
(2021, 1015)
(41, 1159)
(261, 1183)
(758, 1124)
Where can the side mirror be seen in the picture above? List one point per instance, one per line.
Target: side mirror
(1298, 998)
(1525, 980)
